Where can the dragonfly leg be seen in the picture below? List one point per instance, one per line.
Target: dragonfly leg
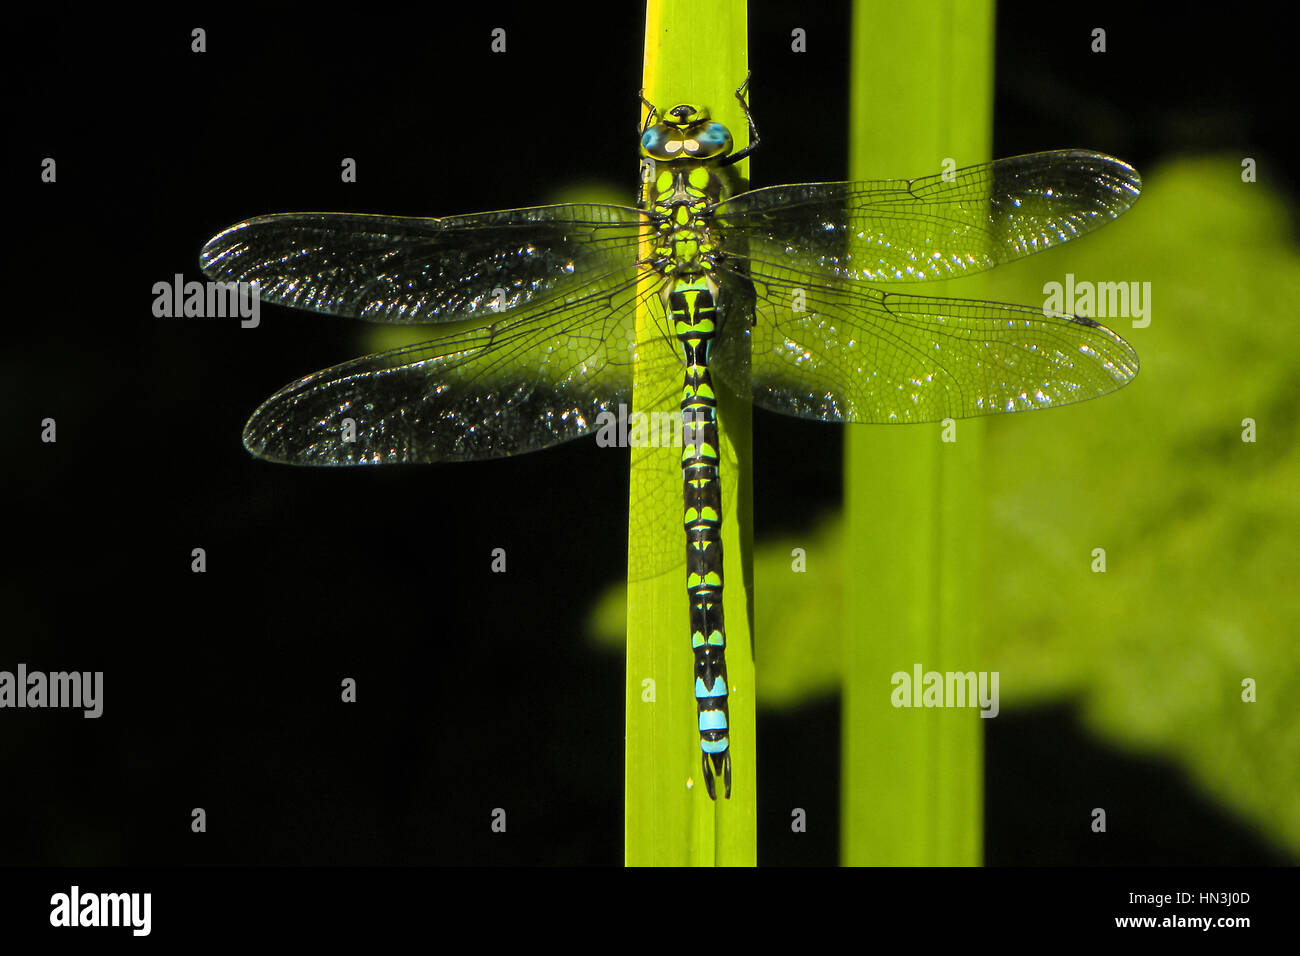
(754, 138)
(652, 115)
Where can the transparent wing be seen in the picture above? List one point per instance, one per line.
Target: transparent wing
(656, 472)
(409, 270)
(657, 478)
(538, 376)
(841, 352)
(932, 227)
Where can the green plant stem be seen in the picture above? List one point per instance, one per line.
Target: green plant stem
(912, 788)
(694, 52)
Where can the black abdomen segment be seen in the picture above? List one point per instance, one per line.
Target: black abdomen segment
(693, 313)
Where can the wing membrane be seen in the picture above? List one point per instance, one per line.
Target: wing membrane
(536, 377)
(845, 353)
(410, 270)
(933, 228)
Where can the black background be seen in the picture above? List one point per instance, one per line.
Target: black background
(476, 690)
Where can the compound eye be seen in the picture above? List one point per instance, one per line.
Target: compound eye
(655, 143)
(714, 140)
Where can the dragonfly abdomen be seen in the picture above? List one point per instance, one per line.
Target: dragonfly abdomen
(692, 310)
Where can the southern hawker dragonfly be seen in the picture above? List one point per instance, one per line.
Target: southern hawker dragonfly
(766, 290)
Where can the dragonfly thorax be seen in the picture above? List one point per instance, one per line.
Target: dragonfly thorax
(687, 241)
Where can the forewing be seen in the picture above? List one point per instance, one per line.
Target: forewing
(934, 227)
(409, 270)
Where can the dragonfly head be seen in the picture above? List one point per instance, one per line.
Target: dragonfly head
(686, 132)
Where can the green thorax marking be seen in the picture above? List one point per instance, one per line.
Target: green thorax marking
(687, 242)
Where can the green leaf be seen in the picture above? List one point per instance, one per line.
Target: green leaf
(693, 53)
(922, 84)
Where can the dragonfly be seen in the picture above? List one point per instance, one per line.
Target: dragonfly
(767, 289)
